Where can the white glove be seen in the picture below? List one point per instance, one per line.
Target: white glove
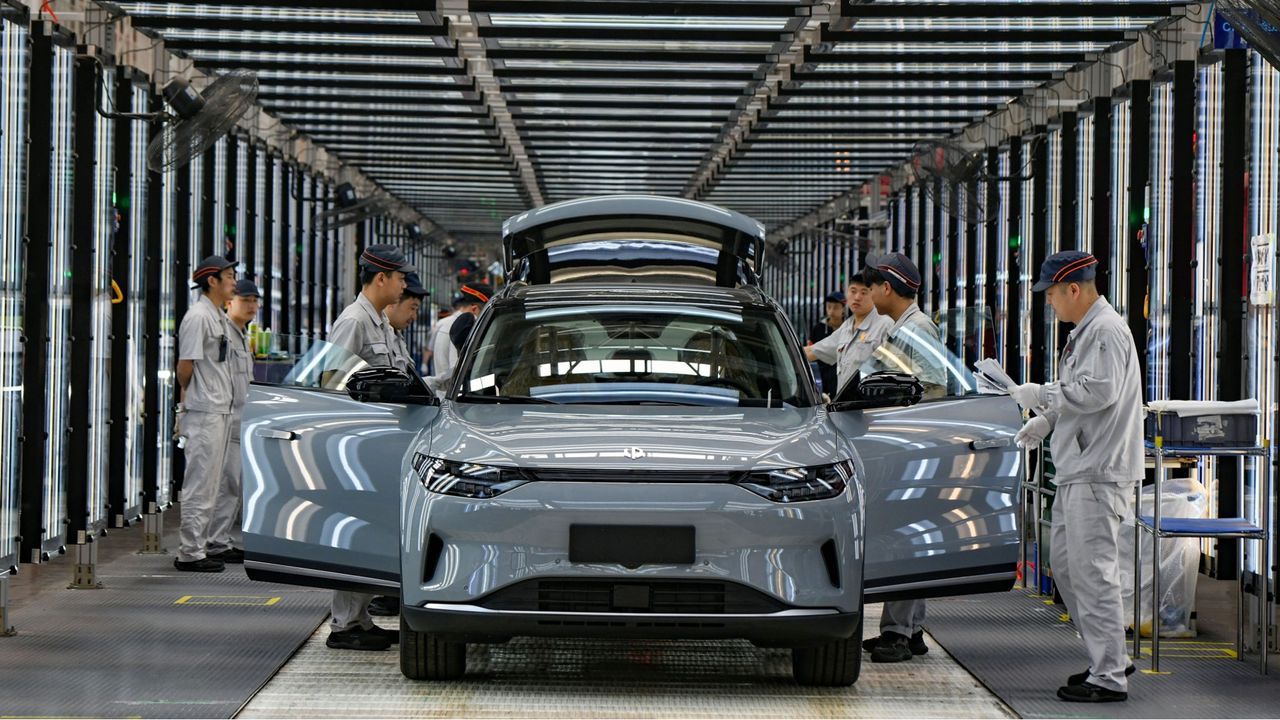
(1027, 395)
(1033, 432)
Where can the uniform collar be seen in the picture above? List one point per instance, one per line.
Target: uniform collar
(912, 309)
(1099, 306)
(210, 307)
(867, 321)
(377, 317)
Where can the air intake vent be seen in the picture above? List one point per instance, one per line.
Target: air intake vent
(431, 558)
(676, 597)
(832, 561)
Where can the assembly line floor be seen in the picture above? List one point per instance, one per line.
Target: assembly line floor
(157, 643)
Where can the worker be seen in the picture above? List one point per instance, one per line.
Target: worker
(242, 309)
(893, 281)
(832, 320)
(400, 315)
(471, 298)
(203, 415)
(1094, 412)
(857, 337)
(363, 329)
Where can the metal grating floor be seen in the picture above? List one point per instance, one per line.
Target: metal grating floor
(1019, 645)
(545, 678)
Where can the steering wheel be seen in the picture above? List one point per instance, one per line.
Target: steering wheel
(726, 382)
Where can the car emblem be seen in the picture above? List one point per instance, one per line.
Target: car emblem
(634, 453)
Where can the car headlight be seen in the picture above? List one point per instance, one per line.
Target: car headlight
(792, 485)
(468, 480)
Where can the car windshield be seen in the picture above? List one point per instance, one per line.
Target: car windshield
(643, 353)
(300, 361)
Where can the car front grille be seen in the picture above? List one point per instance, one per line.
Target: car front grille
(674, 597)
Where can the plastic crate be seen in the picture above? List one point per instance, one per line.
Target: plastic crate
(1204, 431)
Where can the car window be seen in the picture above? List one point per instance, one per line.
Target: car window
(637, 353)
(918, 348)
(299, 361)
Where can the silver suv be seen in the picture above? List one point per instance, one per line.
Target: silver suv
(632, 446)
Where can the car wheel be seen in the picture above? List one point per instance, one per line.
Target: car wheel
(835, 664)
(427, 657)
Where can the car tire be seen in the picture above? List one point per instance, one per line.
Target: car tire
(835, 664)
(427, 657)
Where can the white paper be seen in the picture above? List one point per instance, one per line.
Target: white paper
(993, 372)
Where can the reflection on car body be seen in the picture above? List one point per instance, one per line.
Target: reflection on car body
(620, 458)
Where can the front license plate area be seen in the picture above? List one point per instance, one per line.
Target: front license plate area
(632, 545)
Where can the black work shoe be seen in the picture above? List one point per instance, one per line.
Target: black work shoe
(206, 564)
(392, 636)
(384, 606)
(1089, 693)
(891, 648)
(358, 639)
(233, 556)
(916, 643)
(1079, 678)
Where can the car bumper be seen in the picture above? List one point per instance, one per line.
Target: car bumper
(796, 627)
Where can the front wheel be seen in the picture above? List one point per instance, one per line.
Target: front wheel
(427, 657)
(835, 664)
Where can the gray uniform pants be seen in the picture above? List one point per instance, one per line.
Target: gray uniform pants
(1084, 555)
(226, 507)
(904, 617)
(350, 610)
(206, 451)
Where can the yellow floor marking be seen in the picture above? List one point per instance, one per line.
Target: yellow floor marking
(1153, 672)
(251, 600)
(1064, 617)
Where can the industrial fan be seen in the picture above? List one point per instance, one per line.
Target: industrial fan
(349, 208)
(1258, 21)
(959, 171)
(200, 117)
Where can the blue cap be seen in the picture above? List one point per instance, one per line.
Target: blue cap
(898, 270)
(384, 258)
(1066, 266)
(413, 286)
(836, 297)
(246, 287)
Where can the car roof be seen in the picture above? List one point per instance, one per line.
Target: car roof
(596, 294)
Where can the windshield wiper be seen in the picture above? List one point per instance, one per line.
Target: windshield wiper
(506, 399)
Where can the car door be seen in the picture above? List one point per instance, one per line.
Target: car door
(321, 481)
(941, 485)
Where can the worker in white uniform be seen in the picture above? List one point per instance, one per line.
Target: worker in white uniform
(894, 282)
(400, 315)
(471, 299)
(207, 392)
(1092, 416)
(242, 309)
(363, 330)
(853, 342)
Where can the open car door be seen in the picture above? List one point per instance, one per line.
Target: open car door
(322, 476)
(630, 238)
(942, 482)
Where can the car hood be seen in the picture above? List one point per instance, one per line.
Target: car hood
(635, 438)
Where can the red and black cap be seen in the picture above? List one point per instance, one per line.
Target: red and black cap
(211, 266)
(473, 293)
(384, 258)
(1066, 266)
(898, 270)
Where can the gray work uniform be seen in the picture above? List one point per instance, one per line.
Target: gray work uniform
(227, 506)
(204, 337)
(851, 345)
(1095, 409)
(400, 356)
(363, 331)
(910, 335)
(444, 355)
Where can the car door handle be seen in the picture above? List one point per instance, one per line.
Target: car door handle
(988, 443)
(286, 435)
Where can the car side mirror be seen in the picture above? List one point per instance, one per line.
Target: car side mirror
(389, 385)
(881, 389)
